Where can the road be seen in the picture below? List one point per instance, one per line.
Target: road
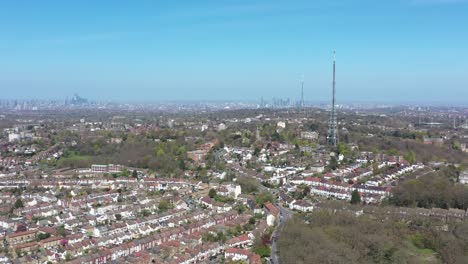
(285, 215)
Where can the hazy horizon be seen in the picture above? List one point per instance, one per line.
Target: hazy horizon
(387, 51)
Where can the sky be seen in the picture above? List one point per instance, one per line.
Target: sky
(118, 50)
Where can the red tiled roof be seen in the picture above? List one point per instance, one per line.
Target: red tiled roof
(238, 251)
(24, 233)
(271, 208)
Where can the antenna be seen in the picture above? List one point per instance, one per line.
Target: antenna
(332, 137)
(302, 91)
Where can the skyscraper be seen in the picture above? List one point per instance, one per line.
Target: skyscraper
(332, 137)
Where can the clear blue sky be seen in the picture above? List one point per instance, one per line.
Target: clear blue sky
(387, 50)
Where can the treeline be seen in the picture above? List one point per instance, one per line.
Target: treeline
(424, 153)
(346, 238)
(165, 156)
(436, 189)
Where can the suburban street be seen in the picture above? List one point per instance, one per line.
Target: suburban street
(285, 215)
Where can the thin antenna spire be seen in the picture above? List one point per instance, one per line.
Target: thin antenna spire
(332, 138)
(302, 92)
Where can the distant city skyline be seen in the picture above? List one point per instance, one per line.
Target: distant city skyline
(127, 51)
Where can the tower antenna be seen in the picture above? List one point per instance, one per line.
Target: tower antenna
(302, 92)
(332, 137)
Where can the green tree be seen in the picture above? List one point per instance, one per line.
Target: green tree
(125, 173)
(61, 230)
(240, 208)
(42, 236)
(212, 193)
(238, 229)
(118, 217)
(355, 197)
(410, 156)
(145, 212)
(343, 149)
(333, 163)
(264, 197)
(164, 205)
(19, 203)
(248, 184)
(256, 151)
(263, 251)
(456, 145)
(375, 168)
(220, 236)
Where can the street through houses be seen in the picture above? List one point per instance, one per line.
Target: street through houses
(285, 215)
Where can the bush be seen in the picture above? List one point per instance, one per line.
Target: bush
(376, 237)
(264, 197)
(248, 184)
(263, 251)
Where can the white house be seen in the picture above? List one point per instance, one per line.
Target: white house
(302, 206)
(463, 178)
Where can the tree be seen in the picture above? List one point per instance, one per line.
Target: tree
(125, 173)
(182, 164)
(435, 189)
(275, 136)
(410, 157)
(264, 197)
(256, 151)
(248, 184)
(240, 208)
(145, 212)
(375, 168)
(135, 174)
(263, 251)
(19, 203)
(118, 217)
(220, 236)
(297, 195)
(333, 163)
(42, 236)
(343, 149)
(456, 145)
(212, 193)
(355, 197)
(238, 229)
(61, 230)
(163, 205)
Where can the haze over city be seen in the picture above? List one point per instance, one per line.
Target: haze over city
(234, 132)
(127, 51)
